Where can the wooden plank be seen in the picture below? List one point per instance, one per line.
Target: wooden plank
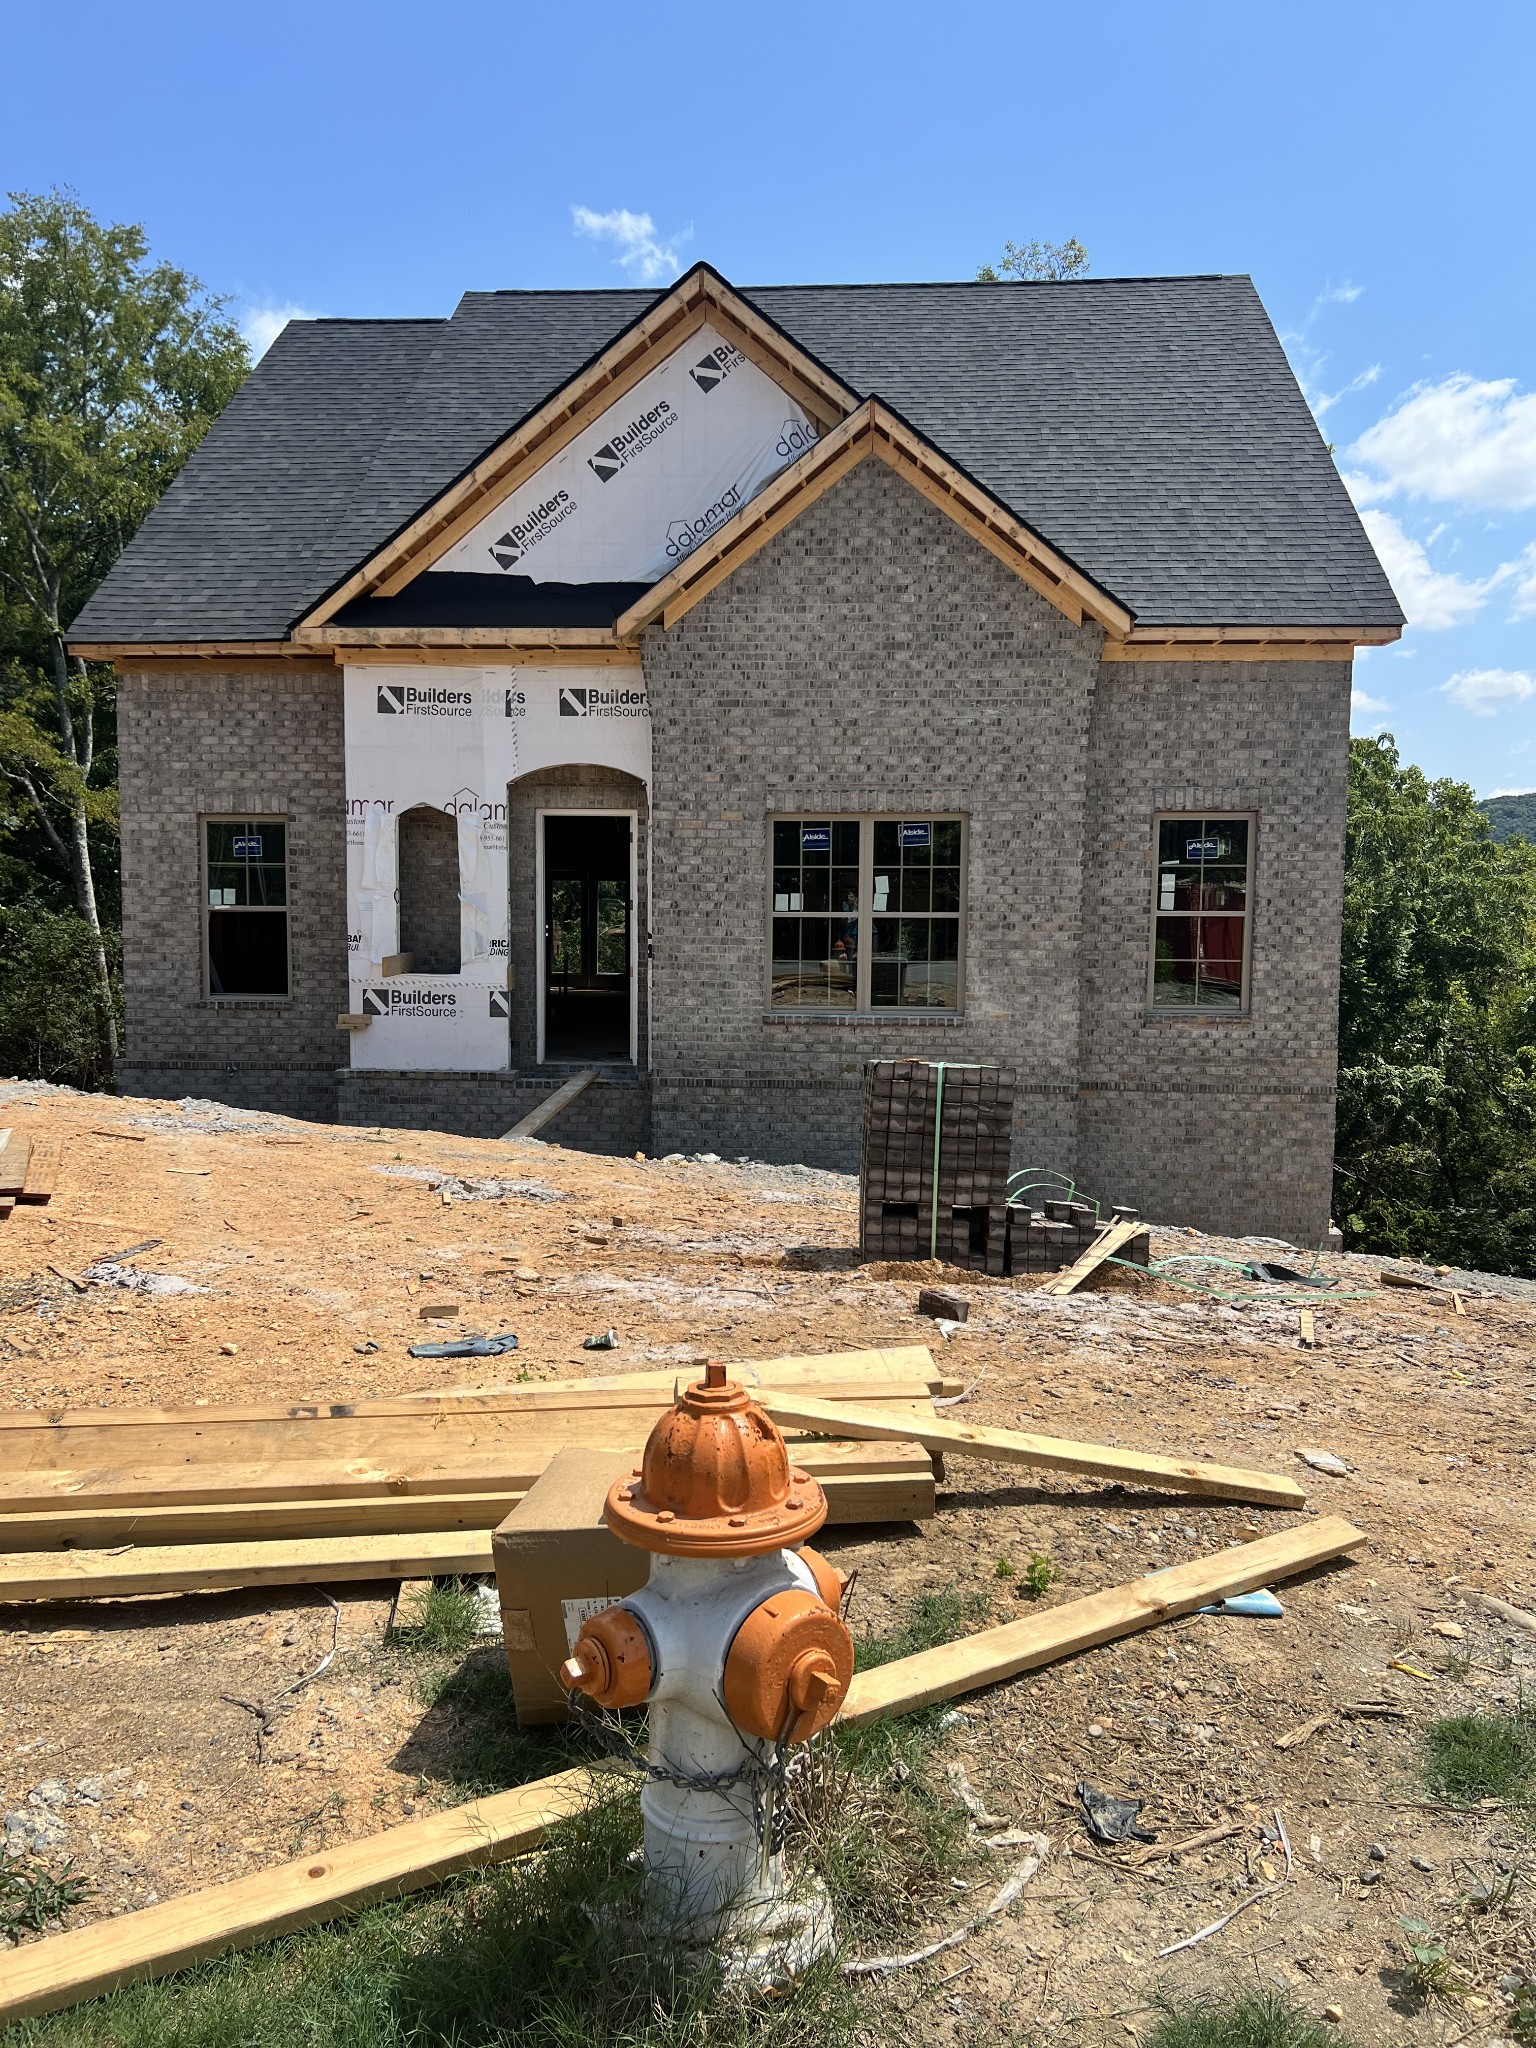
(853, 1373)
(552, 1105)
(999, 1653)
(1113, 1240)
(203, 1504)
(1057, 1454)
(43, 1171)
(208, 1567)
(14, 1161)
(87, 1962)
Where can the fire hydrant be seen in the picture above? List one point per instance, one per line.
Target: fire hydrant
(737, 1644)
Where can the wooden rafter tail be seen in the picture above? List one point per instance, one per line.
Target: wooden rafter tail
(1000, 1653)
(88, 1962)
(1044, 1453)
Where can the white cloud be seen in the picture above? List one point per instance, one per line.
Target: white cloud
(1365, 704)
(641, 251)
(261, 325)
(1484, 691)
(1344, 294)
(1524, 606)
(1432, 598)
(1466, 440)
(1324, 400)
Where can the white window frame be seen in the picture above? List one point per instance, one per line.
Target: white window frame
(1169, 1013)
(862, 1007)
(204, 820)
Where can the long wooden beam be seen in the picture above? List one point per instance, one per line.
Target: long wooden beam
(1053, 1454)
(998, 1653)
(1104, 1246)
(88, 1962)
(546, 1111)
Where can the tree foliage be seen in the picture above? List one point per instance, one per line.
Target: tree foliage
(112, 368)
(1436, 1147)
(1037, 262)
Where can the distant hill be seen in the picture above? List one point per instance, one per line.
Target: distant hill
(1512, 816)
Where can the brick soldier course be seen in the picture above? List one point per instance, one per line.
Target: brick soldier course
(873, 658)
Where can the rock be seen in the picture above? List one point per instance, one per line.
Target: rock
(1511, 1982)
(1377, 1852)
(89, 1791)
(1333, 2014)
(1424, 1863)
(1324, 1461)
(228, 1350)
(1372, 1874)
(30, 1831)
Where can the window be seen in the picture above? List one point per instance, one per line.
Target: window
(1200, 931)
(866, 914)
(247, 914)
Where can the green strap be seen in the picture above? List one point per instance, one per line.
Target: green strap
(938, 1112)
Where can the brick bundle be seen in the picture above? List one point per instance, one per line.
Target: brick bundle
(1053, 1237)
(925, 1135)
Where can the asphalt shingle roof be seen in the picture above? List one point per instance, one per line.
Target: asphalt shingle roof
(1149, 428)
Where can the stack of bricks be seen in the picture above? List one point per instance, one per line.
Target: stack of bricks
(933, 1172)
(1049, 1239)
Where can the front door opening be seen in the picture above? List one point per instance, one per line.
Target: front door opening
(588, 948)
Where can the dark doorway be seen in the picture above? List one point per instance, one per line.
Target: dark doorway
(588, 950)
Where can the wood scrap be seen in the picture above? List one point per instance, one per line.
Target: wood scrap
(129, 1137)
(547, 1110)
(87, 1962)
(1017, 1447)
(1222, 1831)
(1295, 1737)
(1505, 1610)
(1114, 1239)
(998, 1653)
(217, 1567)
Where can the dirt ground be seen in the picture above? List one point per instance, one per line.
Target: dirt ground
(311, 1250)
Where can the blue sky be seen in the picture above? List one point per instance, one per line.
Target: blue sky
(1370, 165)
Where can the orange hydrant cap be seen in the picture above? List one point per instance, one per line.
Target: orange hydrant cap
(716, 1480)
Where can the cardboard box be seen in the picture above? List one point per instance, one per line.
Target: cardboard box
(557, 1562)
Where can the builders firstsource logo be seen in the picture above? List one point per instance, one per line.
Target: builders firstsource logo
(536, 524)
(580, 701)
(405, 700)
(631, 440)
(439, 1004)
(714, 368)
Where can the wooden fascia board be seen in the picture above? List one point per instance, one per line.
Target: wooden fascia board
(343, 640)
(1247, 643)
(518, 655)
(187, 650)
(750, 528)
(697, 298)
(872, 430)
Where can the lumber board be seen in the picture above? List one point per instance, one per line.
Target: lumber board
(42, 1171)
(14, 1161)
(1113, 1240)
(864, 1481)
(354, 1456)
(998, 1653)
(546, 1111)
(857, 1370)
(88, 1962)
(1057, 1454)
(214, 1567)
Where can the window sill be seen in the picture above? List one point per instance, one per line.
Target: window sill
(948, 1018)
(1203, 1017)
(243, 1003)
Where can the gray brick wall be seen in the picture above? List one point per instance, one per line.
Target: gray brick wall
(612, 1116)
(870, 658)
(430, 920)
(246, 743)
(873, 658)
(1223, 1124)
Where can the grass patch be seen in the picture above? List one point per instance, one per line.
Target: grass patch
(31, 1896)
(1239, 2019)
(547, 1951)
(1469, 1757)
(446, 1620)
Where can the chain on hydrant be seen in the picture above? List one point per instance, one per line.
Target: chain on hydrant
(736, 1642)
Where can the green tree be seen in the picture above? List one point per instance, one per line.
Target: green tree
(1436, 1148)
(112, 368)
(1037, 262)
